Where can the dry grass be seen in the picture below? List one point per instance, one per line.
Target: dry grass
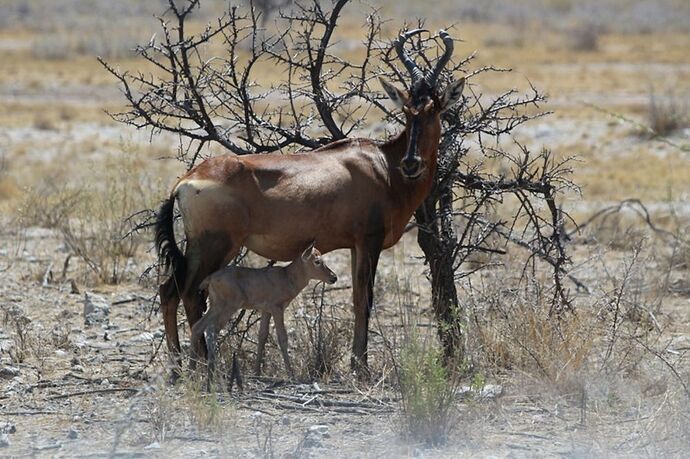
(667, 113)
(92, 215)
(428, 391)
(513, 329)
(583, 37)
(8, 186)
(612, 360)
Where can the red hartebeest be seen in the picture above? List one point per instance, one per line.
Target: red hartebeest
(353, 193)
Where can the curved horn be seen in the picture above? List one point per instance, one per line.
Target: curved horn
(432, 76)
(411, 67)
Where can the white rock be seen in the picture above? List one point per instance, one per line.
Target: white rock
(72, 433)
(96, 309)
(154, 445)
(143, 337)
(491, 391)
(319, 429)
(487, 391)
(8, 372)
(314, 435)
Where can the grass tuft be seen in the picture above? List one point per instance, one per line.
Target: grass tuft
(427, 390)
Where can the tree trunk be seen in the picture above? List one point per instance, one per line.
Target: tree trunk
(436, 237)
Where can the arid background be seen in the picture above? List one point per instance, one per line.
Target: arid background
(613, 379)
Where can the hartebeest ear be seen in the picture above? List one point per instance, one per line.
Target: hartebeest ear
(308, 251)
(452, 94)
(398, 96)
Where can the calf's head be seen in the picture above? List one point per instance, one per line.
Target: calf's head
(314, 266)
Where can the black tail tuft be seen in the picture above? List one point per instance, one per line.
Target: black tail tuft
(168, 253)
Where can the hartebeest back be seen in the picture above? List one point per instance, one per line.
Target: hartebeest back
(354, 193)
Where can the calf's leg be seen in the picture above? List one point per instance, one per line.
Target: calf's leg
(263, 336)
(283, 340)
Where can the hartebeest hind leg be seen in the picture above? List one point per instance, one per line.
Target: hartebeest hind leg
(204, 255)
(364, 261)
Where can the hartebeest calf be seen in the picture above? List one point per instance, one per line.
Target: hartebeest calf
(269, 290)
(354, 193)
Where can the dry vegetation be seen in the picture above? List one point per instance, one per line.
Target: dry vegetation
(611, 380)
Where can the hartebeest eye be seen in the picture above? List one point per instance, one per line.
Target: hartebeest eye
(317, 262)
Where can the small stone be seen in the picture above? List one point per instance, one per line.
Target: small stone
(154, 445)
(72, 433)
(314, 435)
(7, 428)
(96, 309)
(319, 429)
(105, 382)
(491, 391)
(4, 440)
(143, 337)
(8, 372)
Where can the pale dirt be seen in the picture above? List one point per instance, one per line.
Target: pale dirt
(100, 381)
(109, 383)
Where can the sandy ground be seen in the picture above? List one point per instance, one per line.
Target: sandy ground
(68, 388)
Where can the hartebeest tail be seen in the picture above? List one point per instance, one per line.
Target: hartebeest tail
(168, 251)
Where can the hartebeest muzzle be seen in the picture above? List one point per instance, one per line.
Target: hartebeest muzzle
(411, 167)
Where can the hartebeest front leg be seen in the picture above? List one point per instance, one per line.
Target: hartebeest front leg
(364, 262)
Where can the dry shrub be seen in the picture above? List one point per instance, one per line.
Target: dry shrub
(29, 337)
(92, 214)
(427, 391)
(50, 204)
(205, 408)
(8, 186)
(515, 329)
(667, 113)
(620, 231)
(583, 37)
(322, 339)
(615, 354)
